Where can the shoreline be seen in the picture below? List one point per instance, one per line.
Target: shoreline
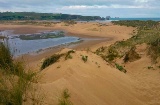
(82, 40)
(107, 34)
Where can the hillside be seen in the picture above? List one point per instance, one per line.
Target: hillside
(99, 80)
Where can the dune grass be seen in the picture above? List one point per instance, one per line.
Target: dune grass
(54, 58)
(15, 82)
(84, 58)
(65, 98)
(68, 54)
(147, 32)
(51, 60)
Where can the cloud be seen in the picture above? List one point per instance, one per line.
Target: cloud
(100, 6)
(150, 8)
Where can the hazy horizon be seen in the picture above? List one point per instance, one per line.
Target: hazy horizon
(103, 8)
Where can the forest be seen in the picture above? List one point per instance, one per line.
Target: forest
(45, 16)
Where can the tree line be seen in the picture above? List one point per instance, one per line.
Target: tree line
(45, 16)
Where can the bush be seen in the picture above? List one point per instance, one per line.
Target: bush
(15, 82)
(68, 54)
(64, 100)
(120, 68)
(112, 54)
(6, 60)
(154, 49)
(84, 58)
(54, 58)
(131, 55)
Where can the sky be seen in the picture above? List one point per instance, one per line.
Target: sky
(103, 8)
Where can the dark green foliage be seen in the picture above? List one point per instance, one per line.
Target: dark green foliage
(54, 58)
(68, 54)
(7, 63)
(5, 57)
(84, 58)
(14, 80)
(120, 68)
(44, 16)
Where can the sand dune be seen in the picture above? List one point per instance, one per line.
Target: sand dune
(95, 82)
(90, 83)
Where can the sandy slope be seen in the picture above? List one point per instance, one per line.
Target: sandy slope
(90, 83)
(148, 84)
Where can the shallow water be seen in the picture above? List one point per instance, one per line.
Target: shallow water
(19, 46)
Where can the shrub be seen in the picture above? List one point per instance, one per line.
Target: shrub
(131, 55)
(120, 68)
(84, 58)
(15, 82)
(154, 49)
(54, 58)
(68, 54)
(64, 100)
(150, 67)
(112, 54)
(6, 60)
(100, 50)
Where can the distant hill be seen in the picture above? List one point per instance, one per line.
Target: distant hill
(45, 16)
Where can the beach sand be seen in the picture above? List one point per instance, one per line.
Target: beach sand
(108, 32)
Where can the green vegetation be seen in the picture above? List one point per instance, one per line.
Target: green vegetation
(131, 55)
(147, 32)
(145, 25)
(42, 36)
(120, 68)
(84, 58)
(68, 54)
(54, 58)
(51, 60)
(154, 49)
(64, 99)
(69, 22)
(6, 60)
(15, 82)
(44, 16)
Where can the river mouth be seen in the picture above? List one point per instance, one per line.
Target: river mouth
(28, 43)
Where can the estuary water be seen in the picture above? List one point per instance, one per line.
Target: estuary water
(27, 43)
